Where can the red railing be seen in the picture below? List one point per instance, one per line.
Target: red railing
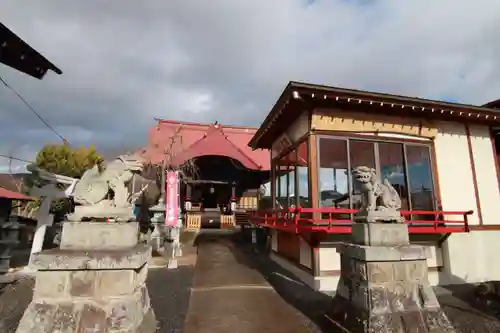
(339, 221)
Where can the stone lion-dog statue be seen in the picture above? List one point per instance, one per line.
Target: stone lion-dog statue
(377, 197)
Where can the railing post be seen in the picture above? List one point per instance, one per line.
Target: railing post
(298, 211)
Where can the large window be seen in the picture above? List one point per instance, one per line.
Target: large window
(406, 166)
(292, 178)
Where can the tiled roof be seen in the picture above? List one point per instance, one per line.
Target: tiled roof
(184, 141)
(4, 193)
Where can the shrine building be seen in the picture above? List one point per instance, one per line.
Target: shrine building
(441, 158)
(220, 174)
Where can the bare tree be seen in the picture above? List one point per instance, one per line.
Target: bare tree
(169, 153)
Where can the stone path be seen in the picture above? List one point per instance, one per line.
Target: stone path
(229, 295)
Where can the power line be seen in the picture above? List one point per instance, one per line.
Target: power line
(33, 110)
(15, 158)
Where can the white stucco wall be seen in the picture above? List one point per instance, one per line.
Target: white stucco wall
(305, 253)
(454, 171)
(468, 257)
(486, 173)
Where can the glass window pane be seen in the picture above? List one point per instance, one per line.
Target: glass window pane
(333, 176)
(392, 168)
(282, 195)
(303, 172)
(362, 153)
(420, 181)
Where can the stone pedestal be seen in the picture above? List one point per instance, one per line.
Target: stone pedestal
(384, 284)
(95, 282)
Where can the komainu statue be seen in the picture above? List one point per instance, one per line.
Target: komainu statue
(381, 201)
(102, 191)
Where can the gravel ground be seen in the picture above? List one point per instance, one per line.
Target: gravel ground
(169, 292)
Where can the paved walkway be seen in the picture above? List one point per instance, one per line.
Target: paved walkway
(228, 295)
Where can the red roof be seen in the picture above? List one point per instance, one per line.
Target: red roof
(185, 141)
(4, 193)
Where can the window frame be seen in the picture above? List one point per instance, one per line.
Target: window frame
(377, 139)
(275, 181)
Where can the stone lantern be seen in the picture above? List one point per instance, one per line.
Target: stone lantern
(9, 239)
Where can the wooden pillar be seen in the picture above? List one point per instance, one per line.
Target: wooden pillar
(313, 174)
(314, 197)
(273, 184)
(297, 177)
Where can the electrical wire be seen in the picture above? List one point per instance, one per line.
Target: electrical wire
(2, 80)
(16, 158)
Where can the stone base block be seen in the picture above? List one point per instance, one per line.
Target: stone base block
(386, 253)
(115, 315)
(100, 212)
(386, 289)
(58, 259)
(99, 235)
(353, 319)
(380, 234)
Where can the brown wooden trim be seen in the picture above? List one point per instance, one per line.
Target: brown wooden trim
(354, 135)
(495, 156)
(313, 173)
(485, 227)
(435, 177)
(474, 174)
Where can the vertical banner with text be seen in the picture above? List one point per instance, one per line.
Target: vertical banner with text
(172, 199)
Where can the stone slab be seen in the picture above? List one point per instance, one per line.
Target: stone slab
(345, 314)
(124, 314)
(63, 259)
(385, 253)
(99, 235)
(380, 234)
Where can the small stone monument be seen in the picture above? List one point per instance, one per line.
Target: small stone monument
(384, 283)
(95, 281)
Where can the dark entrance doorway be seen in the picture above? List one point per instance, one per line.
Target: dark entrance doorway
(218, 181)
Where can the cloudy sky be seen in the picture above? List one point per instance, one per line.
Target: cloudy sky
(126, 62)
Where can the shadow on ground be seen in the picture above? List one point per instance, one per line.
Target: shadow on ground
(311, 303)
(467, 312)
(170, 291)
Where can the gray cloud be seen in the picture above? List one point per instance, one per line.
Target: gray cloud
(126, 62)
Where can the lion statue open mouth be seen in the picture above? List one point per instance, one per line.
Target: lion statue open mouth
(376, 196)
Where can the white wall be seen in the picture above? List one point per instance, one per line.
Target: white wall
(454, 171)
(305, 254)
(486, 173)
(468, 257)
(471, 257)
